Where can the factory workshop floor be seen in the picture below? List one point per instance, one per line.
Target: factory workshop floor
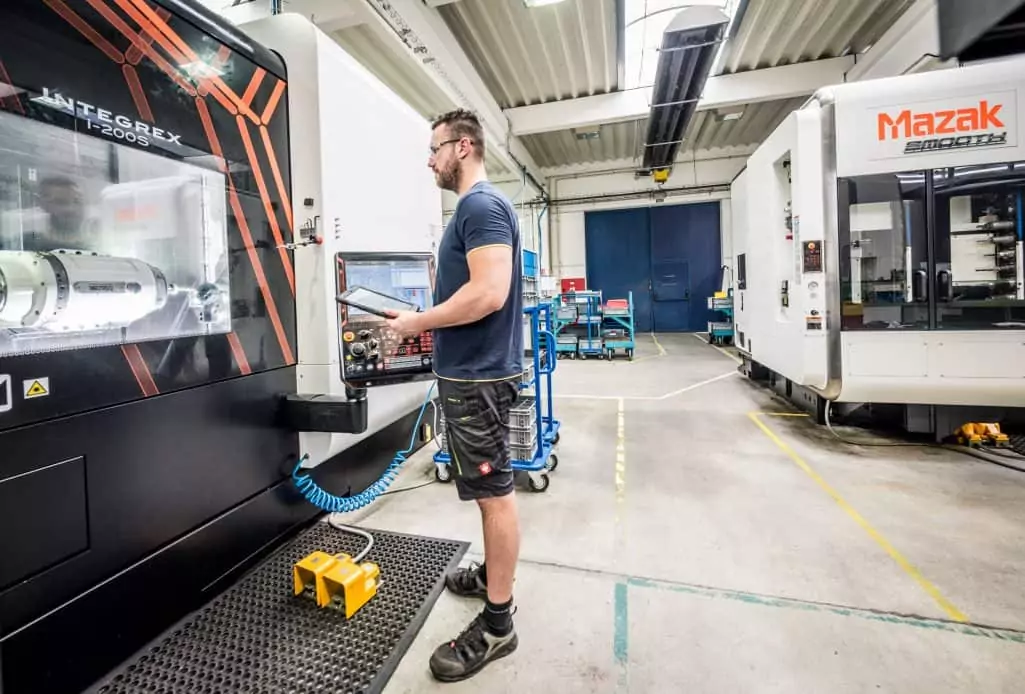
(695, 538)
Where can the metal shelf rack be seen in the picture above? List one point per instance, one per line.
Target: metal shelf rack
(585, 326)
(721, 332)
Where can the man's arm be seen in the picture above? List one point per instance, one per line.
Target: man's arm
(486, 292)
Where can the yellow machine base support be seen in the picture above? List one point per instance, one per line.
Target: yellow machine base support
(978, 433)
(336, 581)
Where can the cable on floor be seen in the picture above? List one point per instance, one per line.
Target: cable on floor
(986, 456)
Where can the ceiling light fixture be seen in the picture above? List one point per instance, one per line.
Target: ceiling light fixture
(540, 3)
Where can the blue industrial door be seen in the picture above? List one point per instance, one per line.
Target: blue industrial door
(618, 244)
(669, 256)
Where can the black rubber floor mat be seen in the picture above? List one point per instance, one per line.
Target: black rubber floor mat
(1018, 443)
(260, 639)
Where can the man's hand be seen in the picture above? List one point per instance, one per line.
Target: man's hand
(406, 323)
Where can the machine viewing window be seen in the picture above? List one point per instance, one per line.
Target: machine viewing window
(883, 252)
(979, 232)
(102, 244)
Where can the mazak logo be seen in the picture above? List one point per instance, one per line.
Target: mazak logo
(981, 125)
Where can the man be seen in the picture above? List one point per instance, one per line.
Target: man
(59, 222)
(478, 359)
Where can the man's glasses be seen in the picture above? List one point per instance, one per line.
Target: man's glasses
(436, 148)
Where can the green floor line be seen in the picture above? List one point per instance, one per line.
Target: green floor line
(621, 635)
(994, 633)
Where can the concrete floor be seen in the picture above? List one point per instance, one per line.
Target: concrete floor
(714, 555)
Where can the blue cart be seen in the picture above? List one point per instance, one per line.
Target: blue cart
(720, 332)
(533, 429)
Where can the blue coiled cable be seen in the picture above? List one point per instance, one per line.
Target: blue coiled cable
(326, 501)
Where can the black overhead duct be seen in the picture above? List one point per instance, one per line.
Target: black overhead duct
(689, 47)
(981, 29)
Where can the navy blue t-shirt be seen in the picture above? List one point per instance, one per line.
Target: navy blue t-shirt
(492, 348)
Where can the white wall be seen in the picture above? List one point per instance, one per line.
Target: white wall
(565, 253)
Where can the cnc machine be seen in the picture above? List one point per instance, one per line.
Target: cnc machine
(177, 210)
(878, 242)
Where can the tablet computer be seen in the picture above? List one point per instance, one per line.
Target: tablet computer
(374, 302)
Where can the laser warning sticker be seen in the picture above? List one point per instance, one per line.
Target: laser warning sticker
(6, 401)
(36, 388)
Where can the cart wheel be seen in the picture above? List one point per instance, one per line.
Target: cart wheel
(553, 462)
(538, 482)
(558, 435)
(442, 473)
(630, 354)
(573, 355)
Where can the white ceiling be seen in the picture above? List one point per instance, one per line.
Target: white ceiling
(576, 49)
(571, 49)
(531, 56)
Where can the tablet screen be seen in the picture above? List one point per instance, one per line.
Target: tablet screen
(375, 301)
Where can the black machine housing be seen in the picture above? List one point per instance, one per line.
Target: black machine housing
(151, 464)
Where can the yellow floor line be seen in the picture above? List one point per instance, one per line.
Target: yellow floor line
(620, 467)
(661, 349)
(908, 567)
(701, 336)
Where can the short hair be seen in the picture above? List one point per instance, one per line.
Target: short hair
(463, 123)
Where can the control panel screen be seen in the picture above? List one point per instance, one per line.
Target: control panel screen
(371, 354)
(408, 280)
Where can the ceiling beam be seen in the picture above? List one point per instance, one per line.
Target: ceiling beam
(911, 44)
(723, 91)
(422, 31)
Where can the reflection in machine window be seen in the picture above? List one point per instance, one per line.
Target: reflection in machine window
(883, 256)
(979, 233)
(101, 244)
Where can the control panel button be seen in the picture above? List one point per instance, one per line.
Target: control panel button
(348, 336)
(358, 349)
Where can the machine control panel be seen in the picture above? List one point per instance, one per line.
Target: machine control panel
(371, 353)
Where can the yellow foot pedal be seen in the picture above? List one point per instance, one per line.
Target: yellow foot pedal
(336, 581)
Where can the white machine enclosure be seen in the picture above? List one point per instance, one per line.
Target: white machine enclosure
(789, 314)
(359, 152)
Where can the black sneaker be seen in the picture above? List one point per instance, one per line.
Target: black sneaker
(470, 652)
(466, 582)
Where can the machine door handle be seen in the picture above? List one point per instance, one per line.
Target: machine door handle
(919, 286)
(944, 290)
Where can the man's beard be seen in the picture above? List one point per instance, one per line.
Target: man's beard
(449, 180)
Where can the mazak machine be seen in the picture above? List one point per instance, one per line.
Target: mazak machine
(878, 241)
(179, 209)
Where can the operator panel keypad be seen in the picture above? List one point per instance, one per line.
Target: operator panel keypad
(370, 350)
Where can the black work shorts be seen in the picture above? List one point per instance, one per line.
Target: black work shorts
(477, 424)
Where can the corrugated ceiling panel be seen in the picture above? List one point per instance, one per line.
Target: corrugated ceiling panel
(783, 32)
(624, 140)
(535, 55)
(562, 148)
(757, 123)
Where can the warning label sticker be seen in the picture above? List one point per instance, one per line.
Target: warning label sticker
(36, 388)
